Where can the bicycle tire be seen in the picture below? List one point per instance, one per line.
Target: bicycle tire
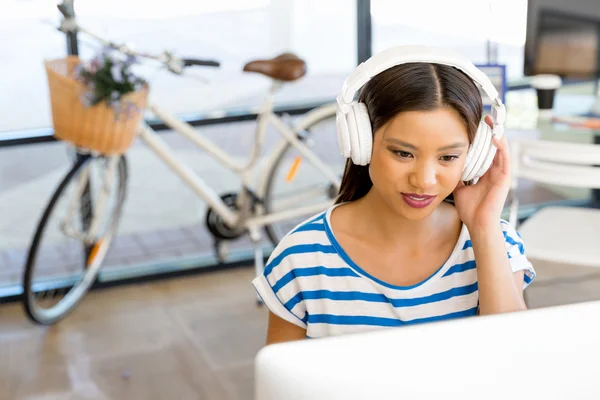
(51, 317)
(272, 233)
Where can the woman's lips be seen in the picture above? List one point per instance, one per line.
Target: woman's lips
(418, 200)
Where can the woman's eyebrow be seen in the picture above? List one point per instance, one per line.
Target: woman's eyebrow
(402, 143)
(457, 145)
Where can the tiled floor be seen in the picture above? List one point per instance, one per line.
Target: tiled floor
(181, 339)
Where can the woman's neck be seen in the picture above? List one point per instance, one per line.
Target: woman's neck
(384, 225)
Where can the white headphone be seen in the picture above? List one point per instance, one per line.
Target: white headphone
(355, 137)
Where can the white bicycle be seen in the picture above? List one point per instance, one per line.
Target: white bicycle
(300, 177)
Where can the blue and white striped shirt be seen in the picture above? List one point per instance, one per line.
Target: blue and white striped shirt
(310, 281)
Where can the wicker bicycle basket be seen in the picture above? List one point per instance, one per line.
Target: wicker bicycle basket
(98, 128)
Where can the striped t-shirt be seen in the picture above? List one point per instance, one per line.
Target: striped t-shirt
(310, 281)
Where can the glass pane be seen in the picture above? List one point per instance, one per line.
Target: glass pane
(27, 37)
(509, 19)
(232, 32)
(462, 25)
(162, 226)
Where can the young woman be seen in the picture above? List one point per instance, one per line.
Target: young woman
(407, 241)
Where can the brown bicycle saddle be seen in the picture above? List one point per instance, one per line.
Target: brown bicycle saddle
(284, 67)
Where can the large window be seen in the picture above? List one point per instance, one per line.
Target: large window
(237, 31)
(26, 38)
(464, 25)
(234, 32)
(230, 31)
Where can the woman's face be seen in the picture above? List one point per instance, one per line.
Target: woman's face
(417, 160)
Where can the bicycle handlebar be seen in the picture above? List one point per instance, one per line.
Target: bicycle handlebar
(173, 63)
(188, 62)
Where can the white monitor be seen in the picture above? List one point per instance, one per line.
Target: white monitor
(550, 353)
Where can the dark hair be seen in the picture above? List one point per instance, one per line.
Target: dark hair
(411, 87)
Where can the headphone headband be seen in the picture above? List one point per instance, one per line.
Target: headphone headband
(355, 136)
(412, 54)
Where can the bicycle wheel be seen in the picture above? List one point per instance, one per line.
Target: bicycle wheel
(294, 182)
(71, 242)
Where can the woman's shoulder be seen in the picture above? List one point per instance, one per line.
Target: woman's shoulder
(297, 263)
(309, 236)
(510, 233)
(303, 249)
(512, 239)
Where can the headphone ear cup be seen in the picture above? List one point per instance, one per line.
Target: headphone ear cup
(353, 136)
(343, 133)
(468, 165)
(482, 154)
(364, 132)
(472, 156)
(488, 155)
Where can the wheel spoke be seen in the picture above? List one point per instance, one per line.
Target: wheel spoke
(60, 267)
(295, 183)
(298, 198)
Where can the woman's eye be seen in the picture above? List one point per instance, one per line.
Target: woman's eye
(449, 158)
(403, 154)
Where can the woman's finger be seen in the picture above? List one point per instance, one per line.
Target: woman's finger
(502, 153)
(499, 157)
(489, 121)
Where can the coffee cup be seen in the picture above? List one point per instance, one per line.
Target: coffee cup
(546, 86)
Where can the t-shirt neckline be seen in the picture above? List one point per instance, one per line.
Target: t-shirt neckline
(432, 278)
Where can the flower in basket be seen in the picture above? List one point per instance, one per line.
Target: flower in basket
(107, 78)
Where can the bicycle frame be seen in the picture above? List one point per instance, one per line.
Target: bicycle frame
(242, 217)
(236, 219)
(266, 116)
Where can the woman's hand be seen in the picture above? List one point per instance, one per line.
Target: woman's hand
(480, 205)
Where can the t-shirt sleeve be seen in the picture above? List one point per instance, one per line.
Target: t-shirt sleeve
(278, 287)
(517, 257)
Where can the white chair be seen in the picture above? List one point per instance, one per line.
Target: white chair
(569, 235)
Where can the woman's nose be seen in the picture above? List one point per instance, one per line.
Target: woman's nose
(423, 176)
